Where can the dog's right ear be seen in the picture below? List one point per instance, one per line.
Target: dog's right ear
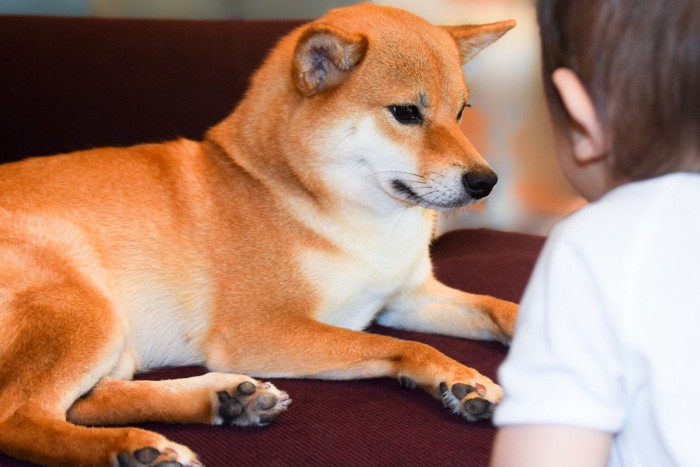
(324, 57)
(471, 39)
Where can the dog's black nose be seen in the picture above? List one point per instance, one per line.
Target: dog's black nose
(479, 183)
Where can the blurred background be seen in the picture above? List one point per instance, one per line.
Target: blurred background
(507, 123)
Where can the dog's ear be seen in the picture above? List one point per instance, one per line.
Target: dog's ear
(472, 38)
(324, 57)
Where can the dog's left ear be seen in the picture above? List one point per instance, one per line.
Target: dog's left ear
(472, 38)
(324, 57)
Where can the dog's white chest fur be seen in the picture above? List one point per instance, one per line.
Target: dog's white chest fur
(356, 281)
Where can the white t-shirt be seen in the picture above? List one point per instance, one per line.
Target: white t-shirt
(608, 336)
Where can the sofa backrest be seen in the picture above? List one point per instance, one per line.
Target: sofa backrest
(75, 83)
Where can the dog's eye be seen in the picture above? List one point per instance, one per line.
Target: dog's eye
(459, 115)
(406, 114)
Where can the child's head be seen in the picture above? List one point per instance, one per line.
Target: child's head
(639, 61)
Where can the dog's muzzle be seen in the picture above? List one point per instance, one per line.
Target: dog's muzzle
(479, 183)
(446, 190)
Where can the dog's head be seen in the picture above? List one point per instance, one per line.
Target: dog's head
(378, 97)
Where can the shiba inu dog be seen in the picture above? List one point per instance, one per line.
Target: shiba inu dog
(263, 250)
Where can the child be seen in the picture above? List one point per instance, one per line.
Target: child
(603, 367)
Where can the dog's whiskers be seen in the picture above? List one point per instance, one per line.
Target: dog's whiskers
(399, 172)
(398, 221)
(411, 182)
(430, 193)
(418, 176)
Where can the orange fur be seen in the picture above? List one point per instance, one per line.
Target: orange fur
(264, 249)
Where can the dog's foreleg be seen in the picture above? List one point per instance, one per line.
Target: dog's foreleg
(302, 347)
(213, 398)
(436, 308)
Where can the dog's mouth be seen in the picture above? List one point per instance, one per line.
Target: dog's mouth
(444, 193)
(430, 198)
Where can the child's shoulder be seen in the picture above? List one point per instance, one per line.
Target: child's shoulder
(635, 208)
(669, 194)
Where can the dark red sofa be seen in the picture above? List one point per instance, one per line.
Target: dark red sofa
(74, 83)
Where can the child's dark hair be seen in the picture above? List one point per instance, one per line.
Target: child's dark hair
(640, 62)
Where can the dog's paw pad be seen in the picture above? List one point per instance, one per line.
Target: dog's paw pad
(478, 407)
(146, 455)
(266, 401)
(246, 388)
(467, 400)
(150, 457)
(229, 407)
(461, 390)
(250, 404)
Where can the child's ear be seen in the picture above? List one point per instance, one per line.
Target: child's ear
(587, 133)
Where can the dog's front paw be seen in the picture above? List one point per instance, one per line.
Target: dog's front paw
(504, 315)
(473, 402)
(250, 403)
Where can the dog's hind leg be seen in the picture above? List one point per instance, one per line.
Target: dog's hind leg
(58, 337)
(47, 439)
(213, 398)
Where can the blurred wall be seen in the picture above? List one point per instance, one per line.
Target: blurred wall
(200, 9)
